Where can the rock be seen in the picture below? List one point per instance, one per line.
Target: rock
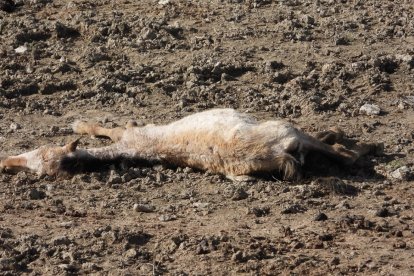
(130, 253)
(88, 266)
(402, 173)
(272, 65)
(328, 69)
(109, 236)
(35, 2)
(226, 77)
(281, 77)
(343, 205)
(335, 261)
(167, 217)
(343, 107)
(400, 244)
(320, 217)
(148, 34)
(144, 208)
(259, 211)
(341, 41)
(29, 69)
(21, 49)
(187, 170)
(54, 129)
(164, 2)
(297, 245)
(370, 109)
(132, 173)
(201, 205)
(203, 247)
(67, 224)
(22, 179)
(35, 194)
(114, 178)
(61, 240)
(293, 209)
(388, 64)
(239, 194)
(327, 185)
(160, 177)
(238, 256)
(308, 20)
(378, 193)
(326, 237)
(15, 126)
(406, 59)
(52, 87)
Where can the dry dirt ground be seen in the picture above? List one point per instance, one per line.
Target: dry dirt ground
(314, 63)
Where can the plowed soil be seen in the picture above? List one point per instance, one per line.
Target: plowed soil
(315, 63)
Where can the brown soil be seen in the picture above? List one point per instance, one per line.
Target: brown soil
(312, 62)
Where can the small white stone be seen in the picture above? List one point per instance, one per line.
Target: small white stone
(166, 217)
(15, 126)
(21, 49)
(370, 109)
(201, 205)
(49, 187)
(402, 173)
(114, 177)
(67, 224)
(405, 58)
(401, 106)
(130, 253)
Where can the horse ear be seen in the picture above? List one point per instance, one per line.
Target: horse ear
(71, 147)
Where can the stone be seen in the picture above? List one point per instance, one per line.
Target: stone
(370, 109)
(114, 178)
(144, 208)
(238, 256)
(21, 49)
(15, 126)
(335, 261)
(402, 173)
(130, 253)
(320, 217)
(167, 217)
(239, 194)
(35, 194)
(61, 240)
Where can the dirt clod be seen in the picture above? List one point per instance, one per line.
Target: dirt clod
(320, 217)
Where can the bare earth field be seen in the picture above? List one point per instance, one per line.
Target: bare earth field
(315, 63)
